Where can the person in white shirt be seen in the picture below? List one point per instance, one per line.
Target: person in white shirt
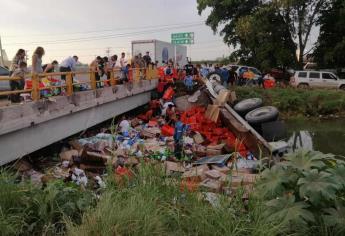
(124, 125)
(68, 65)
(123, 61)
(165, 107)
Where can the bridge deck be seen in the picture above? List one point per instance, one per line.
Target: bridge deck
(28, 127)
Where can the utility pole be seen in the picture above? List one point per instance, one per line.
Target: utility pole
(2, 54)
(107, 51)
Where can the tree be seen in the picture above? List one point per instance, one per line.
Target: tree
(296, 19)
(330, 49)
(265, 40)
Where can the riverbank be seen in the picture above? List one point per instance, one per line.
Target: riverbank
(313, 103)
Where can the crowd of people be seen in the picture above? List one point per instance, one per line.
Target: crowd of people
(100, 66)
(121, 66)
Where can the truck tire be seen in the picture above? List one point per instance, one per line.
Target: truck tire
(262, 115)
(303, 86)
(247, 105)
(214, 76)
(342, 87)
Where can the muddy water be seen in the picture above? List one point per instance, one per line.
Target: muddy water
(327, 136)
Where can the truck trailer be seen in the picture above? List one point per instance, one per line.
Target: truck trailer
(160, 51)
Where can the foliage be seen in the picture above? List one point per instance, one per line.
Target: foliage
(287, 211)
(292, 101)
(152, 204)
(265, 29)
(304, 193)
(26, 209)
(330, 48)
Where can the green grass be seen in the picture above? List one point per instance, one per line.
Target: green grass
(291, 102)
(26, 209)
(147, 204)
(152, 204)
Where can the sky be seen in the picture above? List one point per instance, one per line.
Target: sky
(88, 28)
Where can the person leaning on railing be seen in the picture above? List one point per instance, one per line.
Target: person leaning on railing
(18, 84)
(50, 67)
(68, 65)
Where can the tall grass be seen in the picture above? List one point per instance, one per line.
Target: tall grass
(152, 204)
(26, 209)
(313, 102)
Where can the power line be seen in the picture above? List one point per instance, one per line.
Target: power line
(104, 30)
(102, 37)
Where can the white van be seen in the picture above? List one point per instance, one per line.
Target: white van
(316, 79)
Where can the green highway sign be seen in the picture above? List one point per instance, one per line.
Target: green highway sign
(182, 38)
(182, 41)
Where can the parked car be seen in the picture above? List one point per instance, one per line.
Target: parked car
(281, 75)
(316, 79)
(4, 84)
(238, 68)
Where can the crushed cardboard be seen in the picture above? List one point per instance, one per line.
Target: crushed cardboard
(212, 113)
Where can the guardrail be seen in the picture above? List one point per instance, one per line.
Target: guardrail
(134, 74)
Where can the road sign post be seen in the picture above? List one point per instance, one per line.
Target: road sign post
(181, 39)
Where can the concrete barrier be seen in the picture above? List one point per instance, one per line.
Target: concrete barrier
(31, 126)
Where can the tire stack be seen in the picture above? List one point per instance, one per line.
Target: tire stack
(255, 113)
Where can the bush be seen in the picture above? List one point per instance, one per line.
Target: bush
(26, 209)
(305, 194)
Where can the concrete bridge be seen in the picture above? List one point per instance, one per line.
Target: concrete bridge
(31, 126)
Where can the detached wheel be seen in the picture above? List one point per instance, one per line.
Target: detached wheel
(214, 76)
(262, 115)
(247, 105)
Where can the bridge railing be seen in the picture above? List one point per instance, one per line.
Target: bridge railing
(134, 76)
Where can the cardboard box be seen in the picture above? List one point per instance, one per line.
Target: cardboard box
(233, 97)
(224, 169)
(213, 174)
(213, 152)
(242, 180)
(68, 155)
(171, 167)
(75, 144)
(198, 139)
(223, 97)
(211, 185)
(196, 173)
(212, 113)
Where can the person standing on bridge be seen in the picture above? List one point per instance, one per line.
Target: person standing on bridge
(37, 60)
(18, 84)
(67, 65)
(18, 58)
(124, 69)
(147, 59)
